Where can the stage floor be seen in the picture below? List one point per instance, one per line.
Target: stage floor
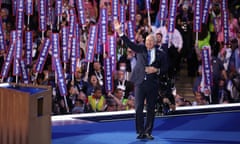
(211, 125)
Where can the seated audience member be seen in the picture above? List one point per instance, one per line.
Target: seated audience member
(82, 96)
(127, 62)
(199, 99)
(123, 84)
(131, 102)
(233, 86)
(181, 101)
(42, 78)
(93, 82)
(79, 107)
(72, 95)
(97, 101)
(79, 83)
(98, 71)
(80, 103)
(119, 99)
(223, 93)
(111, 104)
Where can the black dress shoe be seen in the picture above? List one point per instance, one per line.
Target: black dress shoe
(149, 136)
(141, 136)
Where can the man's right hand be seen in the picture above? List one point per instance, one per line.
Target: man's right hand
(117, 27)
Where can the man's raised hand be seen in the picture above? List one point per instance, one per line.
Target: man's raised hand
(117, 27)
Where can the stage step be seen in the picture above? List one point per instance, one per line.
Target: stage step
(184, 84)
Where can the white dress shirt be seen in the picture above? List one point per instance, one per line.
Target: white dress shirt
(174, 38)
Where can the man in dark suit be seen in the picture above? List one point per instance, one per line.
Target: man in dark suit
(151, 62)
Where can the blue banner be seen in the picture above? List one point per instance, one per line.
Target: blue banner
(72, 22)
(2, 39)
(112, 50)
(42, 14)
(74, 55)
(108, 75)
(224, 5)
(65, 44)
(91, 43)
(13, 36)
(18, 57)
(103, 24)
(20, 20)
(16, 67)
(55, 45)
(58, 5)
(77, 36)
(131, 31)
(71, 29)
(8, 61)
(60, 77)
(122, 17)
(81, 12)
(197, 20)
(205, 12)
(29, 7)
(24, 71)
(225, 26)
(10, 53)
(43, 55)
(206, 63)
(50, 14)
(29, 45)
(99, 48)
(72, 11)
(132, 10)
(20, 5)
(14, 7)
(115, 9)
(19, 46)
(172, 15)
(147, 3)
(163, 7)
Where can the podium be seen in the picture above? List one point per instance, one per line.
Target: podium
(25, 114)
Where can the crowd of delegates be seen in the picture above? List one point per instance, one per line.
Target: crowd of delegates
(86, 89)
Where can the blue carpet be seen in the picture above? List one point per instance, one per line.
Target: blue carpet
(218, 128)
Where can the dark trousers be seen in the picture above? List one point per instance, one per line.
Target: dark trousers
(149, 90)
(174, 62)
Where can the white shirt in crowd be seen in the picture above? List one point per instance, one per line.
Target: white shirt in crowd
(174, 38)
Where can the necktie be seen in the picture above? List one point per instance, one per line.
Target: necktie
(167, 39)
(149, 57)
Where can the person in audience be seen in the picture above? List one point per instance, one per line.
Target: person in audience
(119, 99)
(97, 101)
(78, 107)
(79, 82)
(127, 62)
(131, 102)
(121, 83)
(111, 105)
(93, 83)
(199, 99)
(174, 42)
(80, 104)
(98, 71)
(181, 101)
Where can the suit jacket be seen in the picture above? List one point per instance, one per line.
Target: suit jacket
(138, 73)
